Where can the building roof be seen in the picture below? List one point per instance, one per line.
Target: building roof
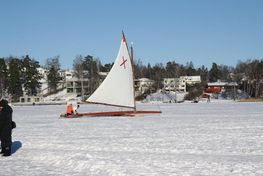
(221, 84)
(144, 80)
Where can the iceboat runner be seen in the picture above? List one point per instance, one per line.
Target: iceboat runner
(117, 89)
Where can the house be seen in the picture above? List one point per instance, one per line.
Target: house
(219, 87)
(179, 84)
(191, 79)
(31, 99)
(143, 85)
(174, 84)
(222, 89)
(77, 86)
(80, 86)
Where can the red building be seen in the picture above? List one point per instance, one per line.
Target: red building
(220, 87)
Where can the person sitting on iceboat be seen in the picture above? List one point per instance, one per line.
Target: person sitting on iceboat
(70, 110)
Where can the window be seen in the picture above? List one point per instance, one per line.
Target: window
(77, 83)
(69, 84)
(70, 90)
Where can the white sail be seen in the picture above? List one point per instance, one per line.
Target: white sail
(117, 89)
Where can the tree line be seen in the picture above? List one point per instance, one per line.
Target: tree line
(17, 74)
(247, 74)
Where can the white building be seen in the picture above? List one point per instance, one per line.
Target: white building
(69, 74)
(191, 79)
(143, 85)
(75, 85)
(179, 84)
(68, 82)
(174, 84)
(44, 84)
(31, 99)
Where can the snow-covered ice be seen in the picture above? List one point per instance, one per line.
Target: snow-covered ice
(216, 138)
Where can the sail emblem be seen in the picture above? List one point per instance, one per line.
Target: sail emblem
(123, 62)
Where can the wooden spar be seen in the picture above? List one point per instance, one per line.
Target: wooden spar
(110, 105)
(132, 55)
(132, 59)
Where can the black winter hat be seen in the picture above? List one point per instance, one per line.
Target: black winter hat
(3, 103)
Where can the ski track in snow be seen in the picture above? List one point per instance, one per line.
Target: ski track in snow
(217, 138)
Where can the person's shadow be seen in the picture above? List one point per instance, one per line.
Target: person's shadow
(16, 145)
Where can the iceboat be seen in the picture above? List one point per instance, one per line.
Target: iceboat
(117, 89)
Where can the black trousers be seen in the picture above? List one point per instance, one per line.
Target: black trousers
(6, 135)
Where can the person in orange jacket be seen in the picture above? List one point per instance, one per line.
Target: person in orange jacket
(70, 110)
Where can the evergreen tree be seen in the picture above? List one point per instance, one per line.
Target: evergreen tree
(189, 68)
(172, 70)
(92, 66)
(3, 77)
(147, 71)
(137, 69)
(106, 67)
(53, 76)
(214, 73)
(31, 76)
(224, 71)
(14, 78)
(256, 77)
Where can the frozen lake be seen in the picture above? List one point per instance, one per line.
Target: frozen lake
(217, 138)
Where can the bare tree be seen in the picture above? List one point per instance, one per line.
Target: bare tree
(79, 72)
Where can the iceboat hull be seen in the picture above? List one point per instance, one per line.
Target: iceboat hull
(110, 113)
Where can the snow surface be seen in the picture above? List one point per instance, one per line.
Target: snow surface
(216, 138)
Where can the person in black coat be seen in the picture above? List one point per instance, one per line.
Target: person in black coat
(5, 127)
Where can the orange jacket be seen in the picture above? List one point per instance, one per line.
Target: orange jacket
(70, 109)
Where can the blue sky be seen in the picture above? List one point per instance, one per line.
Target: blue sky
(201, 31)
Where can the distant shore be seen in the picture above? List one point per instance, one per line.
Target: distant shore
(39, 103)
(251, 100)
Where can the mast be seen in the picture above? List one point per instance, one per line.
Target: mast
(132, 57)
